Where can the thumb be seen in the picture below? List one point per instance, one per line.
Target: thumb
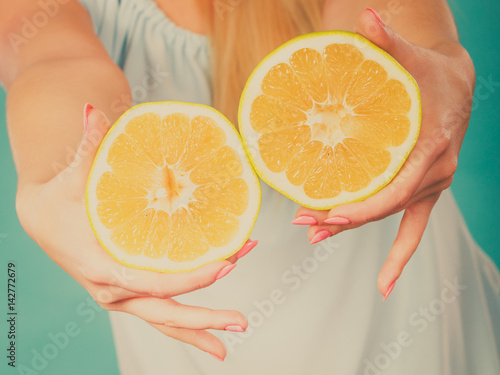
(96, 125)
(371, 26)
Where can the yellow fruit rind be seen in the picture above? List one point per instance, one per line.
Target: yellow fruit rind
(99, 150)
(358, 38)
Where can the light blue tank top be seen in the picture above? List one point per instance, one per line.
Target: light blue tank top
(311, 309)
(160, 60)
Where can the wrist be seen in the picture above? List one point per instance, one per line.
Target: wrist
(27, 207)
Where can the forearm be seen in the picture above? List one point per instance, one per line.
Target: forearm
(44, 111)
(48, 79)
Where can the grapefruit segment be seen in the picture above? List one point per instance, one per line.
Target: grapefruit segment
(329, 118)
(302, 162)
(171, 188)
(282, 83)
(323, 181)
(269, 114)
(278, 148)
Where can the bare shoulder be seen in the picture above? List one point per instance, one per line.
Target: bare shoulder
(35, 30)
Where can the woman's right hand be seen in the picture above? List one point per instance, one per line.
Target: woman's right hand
(54, 215)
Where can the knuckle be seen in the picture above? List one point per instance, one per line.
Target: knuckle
(157, 291)
(452, 166)
(447, 183)
(442, 139)
(169, 322)
(93, 275)
(200, 284)
(401, 197)
(103, 297)
(364, 218)
(23, 214)
(107, 306)
(447, 168)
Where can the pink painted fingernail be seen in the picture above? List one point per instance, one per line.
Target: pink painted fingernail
(249, 245)
(305, 220)
(234, 328)
(391, 287)
(86, 112)
(217, 358)
(338, 220)
(377, 17)
(223, 272)
(320, 236)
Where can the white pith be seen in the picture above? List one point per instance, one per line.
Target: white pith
(158, 197)
(319, 41)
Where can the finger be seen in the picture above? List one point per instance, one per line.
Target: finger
(105, 270)
(173, 314)
(318, 230)
(438, 187)
(107, 294)
(201, 339)
(318, 233)
(371, 27)
(393, 197)
(410, 233)
(232, 259)
(438, 178)
(308, 216)
(246, 248)
(96, 125)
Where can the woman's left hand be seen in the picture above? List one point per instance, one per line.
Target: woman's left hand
(445, 75)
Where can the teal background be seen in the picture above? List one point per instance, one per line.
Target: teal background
(48, 299)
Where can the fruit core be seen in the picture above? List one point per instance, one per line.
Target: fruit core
(325, 120)
(167, 196)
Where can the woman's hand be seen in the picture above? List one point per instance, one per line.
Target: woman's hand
(445, 75)
(54, 215)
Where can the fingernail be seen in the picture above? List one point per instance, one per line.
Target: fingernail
(249, 245)
(86, 112)
(305, 220)
(320, 236)
(234, 328)
(223, 272)
(391, 287)
(338, 220)
(376, 16)
(217, 358)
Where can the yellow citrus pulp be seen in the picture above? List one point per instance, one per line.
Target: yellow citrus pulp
(329, 118)
(171, 188)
